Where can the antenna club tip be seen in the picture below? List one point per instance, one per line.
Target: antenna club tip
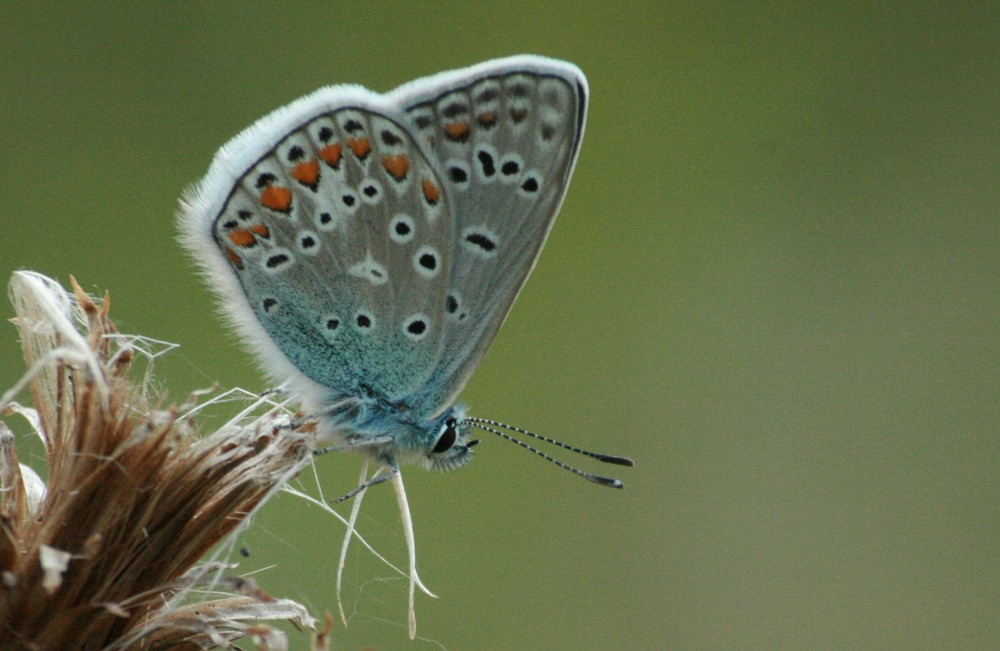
(618, 461)
(605, 481)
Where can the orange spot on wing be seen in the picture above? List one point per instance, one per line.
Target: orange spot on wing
(331, 154)
(487, 119)
(262, 230)
(242, 237)
(234, 258)
(397, 166)
(458, 131)
(307, 173)
(431, 192)
(277, 198)
(360, 146)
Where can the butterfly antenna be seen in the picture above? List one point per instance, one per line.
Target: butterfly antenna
(606, 458)
(491, 426)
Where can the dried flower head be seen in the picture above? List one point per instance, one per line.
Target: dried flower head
(110, 553)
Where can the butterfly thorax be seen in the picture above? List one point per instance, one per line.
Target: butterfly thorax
(393, 433)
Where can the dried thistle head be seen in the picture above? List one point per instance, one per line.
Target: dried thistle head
(110, 553)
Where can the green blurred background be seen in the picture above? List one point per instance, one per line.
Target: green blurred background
(774, 283)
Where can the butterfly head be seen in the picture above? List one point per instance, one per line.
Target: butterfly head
(452, 447)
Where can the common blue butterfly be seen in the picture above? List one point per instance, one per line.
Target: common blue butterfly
(368, 247)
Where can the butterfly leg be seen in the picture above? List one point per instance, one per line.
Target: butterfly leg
(363, 486)
(352, 445)
(355, 509)
(411, 547)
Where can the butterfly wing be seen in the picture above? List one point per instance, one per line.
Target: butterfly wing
(326, 231)
(368, 244)
(505, 135)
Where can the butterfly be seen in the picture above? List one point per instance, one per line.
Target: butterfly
(367, 247)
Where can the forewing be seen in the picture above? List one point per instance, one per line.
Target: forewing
(338, 233)
(505, 135)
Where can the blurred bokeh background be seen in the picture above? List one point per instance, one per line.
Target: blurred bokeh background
(775, 283)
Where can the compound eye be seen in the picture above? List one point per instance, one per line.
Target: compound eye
(447, 438)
